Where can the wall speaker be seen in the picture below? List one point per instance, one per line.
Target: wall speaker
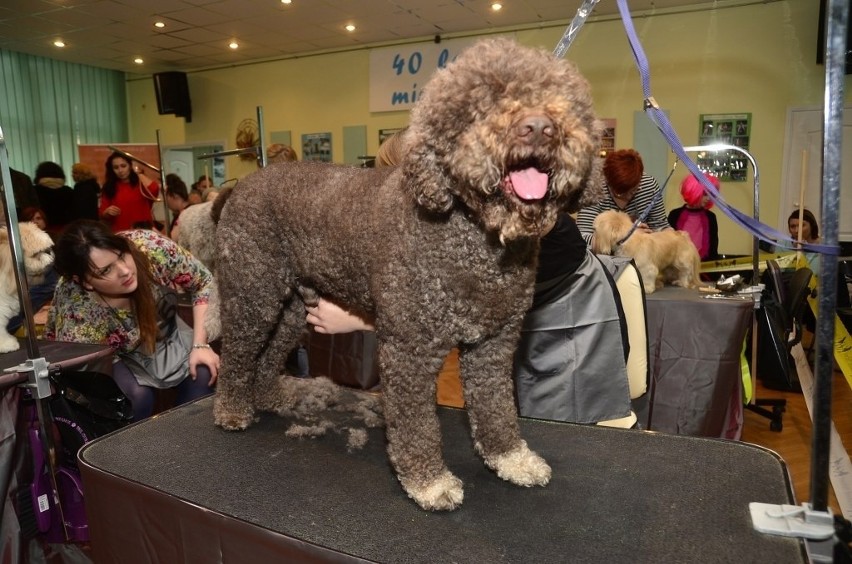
(172, 91)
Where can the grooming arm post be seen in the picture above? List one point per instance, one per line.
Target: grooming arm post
(36, 368)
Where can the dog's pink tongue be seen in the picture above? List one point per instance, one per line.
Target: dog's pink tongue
(528, 184)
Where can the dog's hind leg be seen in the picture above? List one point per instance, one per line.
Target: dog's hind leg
(488, 393)
(255, 292)
(409, 372)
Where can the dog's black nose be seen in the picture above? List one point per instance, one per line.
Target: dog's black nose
(533, 128)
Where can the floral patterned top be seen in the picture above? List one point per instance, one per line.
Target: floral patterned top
(76, 315)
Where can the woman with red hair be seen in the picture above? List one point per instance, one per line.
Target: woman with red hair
(627, 189)
(695, 216)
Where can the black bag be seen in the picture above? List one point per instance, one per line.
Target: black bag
(86, 405)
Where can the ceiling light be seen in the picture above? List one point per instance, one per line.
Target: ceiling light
(59, 43)
(160, 24)
(350, 28)
(233, 45)
(286, 1)
(138, 60)
(496, 6)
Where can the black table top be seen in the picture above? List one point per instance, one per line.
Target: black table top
(615, 496)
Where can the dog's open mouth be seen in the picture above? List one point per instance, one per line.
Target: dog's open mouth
(526, 183)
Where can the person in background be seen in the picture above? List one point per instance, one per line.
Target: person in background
(195, 192)
(86, 192)
(57, 199)
(280, 153)
(23, 190)
(695, 216)
(810, 234)
(177, 199)
(204, 182)
(125, 199)
(108, 294)
(628, 189)
(34, 214)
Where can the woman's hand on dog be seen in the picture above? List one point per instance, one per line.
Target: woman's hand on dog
(207, 357)
(329, 318)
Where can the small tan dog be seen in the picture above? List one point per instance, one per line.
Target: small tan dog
(37, 248)
(661, 256)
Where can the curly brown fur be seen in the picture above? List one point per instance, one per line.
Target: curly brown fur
(661, 256)
(442, 250)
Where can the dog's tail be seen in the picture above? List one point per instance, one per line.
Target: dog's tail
(694, 256)
(696, 279)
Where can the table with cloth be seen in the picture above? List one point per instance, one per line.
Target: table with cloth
(695, 344)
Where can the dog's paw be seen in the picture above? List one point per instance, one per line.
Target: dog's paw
(444, 493)
(522, 467)
(232, 420)
(8, 343)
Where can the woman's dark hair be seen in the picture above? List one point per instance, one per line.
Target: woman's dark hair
(73, 262)
(29, 212)
(48, 169)
(808, 216)
(176, 186)
(111, 179)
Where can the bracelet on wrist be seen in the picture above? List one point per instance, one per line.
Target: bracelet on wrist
(201, 346)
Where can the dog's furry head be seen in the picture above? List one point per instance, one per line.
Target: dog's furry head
(510, 133)
(669, 254)
(37, 249)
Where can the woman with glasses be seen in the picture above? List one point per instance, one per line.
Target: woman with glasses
(116, 290)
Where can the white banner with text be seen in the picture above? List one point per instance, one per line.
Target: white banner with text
(398, 74)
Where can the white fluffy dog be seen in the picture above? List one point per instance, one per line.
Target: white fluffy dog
(37, 248)
(661, 256)
(198, 233)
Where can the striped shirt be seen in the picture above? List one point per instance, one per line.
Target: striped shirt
(648, 187)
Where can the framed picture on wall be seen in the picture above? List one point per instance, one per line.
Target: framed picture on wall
(608, 135)
(316, 147)
(730, 129)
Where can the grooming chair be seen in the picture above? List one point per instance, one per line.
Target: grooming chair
(629, 286)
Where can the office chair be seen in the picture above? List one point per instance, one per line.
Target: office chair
(844, 298)
(779, 329)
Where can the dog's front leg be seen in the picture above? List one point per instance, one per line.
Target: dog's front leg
(488, 390)
(409, 373)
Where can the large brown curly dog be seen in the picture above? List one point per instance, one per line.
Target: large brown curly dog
(442, 250)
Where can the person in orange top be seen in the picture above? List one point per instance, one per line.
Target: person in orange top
(125, 199)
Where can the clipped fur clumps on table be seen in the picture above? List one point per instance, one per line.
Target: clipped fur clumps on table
(318, 406)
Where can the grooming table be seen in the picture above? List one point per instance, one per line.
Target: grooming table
(175, 488)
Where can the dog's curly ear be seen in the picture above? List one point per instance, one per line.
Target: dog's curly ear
(425, 177)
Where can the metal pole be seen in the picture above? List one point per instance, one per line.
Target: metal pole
(755, 251)
(261, 150)
(166, 212)
(36, 367)
(835, 62)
